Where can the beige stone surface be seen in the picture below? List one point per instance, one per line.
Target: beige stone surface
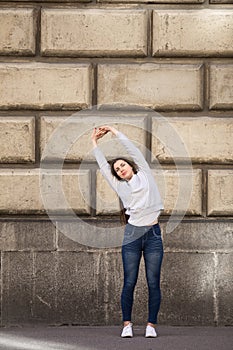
(45, 85)
(181, 192)
(196, 139)
(221, 86)
(205, 32)
(220, 192)
(17, 31)
(159, 86)
(26, 191)
(17, 139)
(94, 32)
(73, 134)
(157, 1)
(107, 201)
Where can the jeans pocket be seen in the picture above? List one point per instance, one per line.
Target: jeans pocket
(129, 232)
(156, 231)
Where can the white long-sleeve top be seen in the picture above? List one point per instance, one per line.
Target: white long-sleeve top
(140, 195)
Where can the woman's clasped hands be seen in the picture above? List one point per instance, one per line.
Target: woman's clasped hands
(99, 132)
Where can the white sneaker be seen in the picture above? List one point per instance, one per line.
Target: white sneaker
(127, 331)
(150, 332)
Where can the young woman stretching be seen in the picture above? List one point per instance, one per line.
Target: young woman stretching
(136, 187)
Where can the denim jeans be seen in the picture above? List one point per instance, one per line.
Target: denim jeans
(138, 240)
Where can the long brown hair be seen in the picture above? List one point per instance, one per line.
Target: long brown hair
(123, 217)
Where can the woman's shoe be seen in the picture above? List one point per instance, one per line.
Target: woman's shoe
(127, 331)
(150, 332)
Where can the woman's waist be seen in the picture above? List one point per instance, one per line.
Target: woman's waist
(144, 218)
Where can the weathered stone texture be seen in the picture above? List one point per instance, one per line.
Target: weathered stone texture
(17, 273)
(26, 196)
(151, 85)
(82, 235)
(221, 1)
(81, 32)
(80, 280)
(44, 296)
(17, 139)
(107, 201)
(42, 85)
(17, 31)
(181, 190)
(157, 1)
(221, 86)
(202, 236)
(46, 1)
(220, 194)
(192, 33)
(77, 130)
(195, 139)
(15, 236)
(224, 283)
(177, 188)
(187, 296)
(82, 285)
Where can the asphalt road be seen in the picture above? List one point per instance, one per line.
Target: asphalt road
(101, 338)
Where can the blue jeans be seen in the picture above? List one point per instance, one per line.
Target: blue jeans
(146, 239)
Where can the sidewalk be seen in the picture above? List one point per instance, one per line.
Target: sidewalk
(108, 338)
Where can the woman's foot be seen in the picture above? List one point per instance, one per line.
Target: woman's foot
(127, 331)
(150, 331)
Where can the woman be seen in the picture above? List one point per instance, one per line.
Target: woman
(136, 187)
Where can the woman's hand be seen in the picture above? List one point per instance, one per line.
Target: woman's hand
(97, 134)
(108, 128)
(100, 132)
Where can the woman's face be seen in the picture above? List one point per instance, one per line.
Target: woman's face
(123, 169)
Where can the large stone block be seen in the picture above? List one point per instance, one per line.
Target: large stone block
(79, 148)
(65, 1)
(181, 192)
(158, 86)
(17, 287)
(221, 1)
(199, 236)
(224, 285)
(34, 193)
(17, 139)
(107, 201)
(94, 32)
(45, 85)
(220, 86)
(220, 195)
(31, 235)
(80, 288)
(187, 283)
(192, 139)
(157, 1)
(44, 304)
(17, 31)
(194, 33)
(89, 234)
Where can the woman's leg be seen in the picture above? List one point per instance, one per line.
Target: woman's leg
(153, 255)
(131, 255)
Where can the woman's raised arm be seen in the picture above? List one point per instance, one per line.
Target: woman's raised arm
(133, 151)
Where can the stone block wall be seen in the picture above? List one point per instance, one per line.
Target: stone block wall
(59, 58)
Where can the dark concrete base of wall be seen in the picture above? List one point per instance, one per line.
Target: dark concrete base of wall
(48, 278)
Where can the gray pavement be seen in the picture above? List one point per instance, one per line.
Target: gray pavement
(90, 338)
